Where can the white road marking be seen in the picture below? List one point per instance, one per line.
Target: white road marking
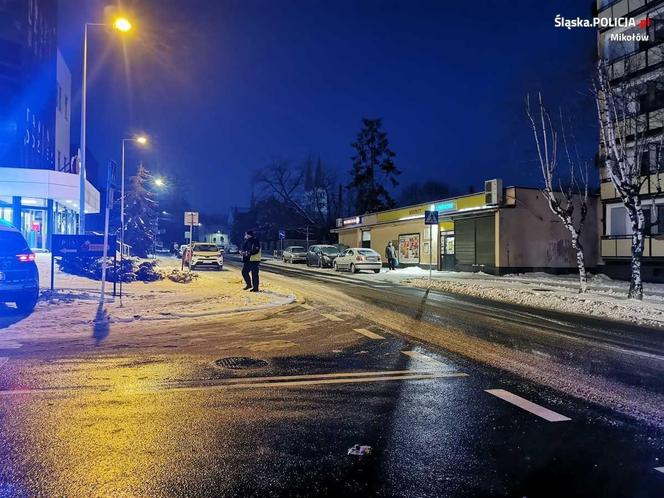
(660, 469)
(10, 345)
(369, 334)
(260, 382)
(3, 360)
(529, 406)
(306, 307)
(419, 356)
(323, 381)
(334, 318)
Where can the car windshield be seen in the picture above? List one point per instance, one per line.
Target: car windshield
(367, 252)
(329, 250)
(206, 248)
(12, 243)
(297, 249)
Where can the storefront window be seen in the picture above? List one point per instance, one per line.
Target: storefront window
(6, 214)
(33, 226)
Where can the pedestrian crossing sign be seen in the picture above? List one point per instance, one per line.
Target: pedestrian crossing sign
(430, 217)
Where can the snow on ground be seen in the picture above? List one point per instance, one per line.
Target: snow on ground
(606, 298)
(74, 302)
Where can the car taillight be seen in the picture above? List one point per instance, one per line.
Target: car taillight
(359, 258)
(26, 258)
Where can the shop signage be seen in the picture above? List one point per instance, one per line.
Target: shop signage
(446, 206)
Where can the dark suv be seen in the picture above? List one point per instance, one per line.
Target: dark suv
(19, 277)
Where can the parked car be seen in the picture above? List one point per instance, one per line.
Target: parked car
(295, 254)
(358, 258)
(341, 247)
(233, 249)
(322, 255)
(203, 254)
(19, 277)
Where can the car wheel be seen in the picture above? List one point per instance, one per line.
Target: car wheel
(377, 271)
(27, 304)
(353, 269)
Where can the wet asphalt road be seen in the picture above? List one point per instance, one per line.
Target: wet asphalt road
(150, 414)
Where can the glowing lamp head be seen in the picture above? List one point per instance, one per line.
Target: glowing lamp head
(159, 182)
(122, 24)
(143, 140)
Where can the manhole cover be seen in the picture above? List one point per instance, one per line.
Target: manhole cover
(240, 362)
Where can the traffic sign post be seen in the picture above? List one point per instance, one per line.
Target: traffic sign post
(431, 219)
(191, 219)
(282, 237)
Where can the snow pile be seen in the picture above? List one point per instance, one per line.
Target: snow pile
(73, 305)
(606, 298)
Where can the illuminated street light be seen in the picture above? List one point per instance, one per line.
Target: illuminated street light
(142, 139)
(122, 24)
(159, 182)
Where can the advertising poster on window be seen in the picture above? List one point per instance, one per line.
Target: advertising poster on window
(409, 248)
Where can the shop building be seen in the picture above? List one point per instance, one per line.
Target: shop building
(497, 231)
(39, 183)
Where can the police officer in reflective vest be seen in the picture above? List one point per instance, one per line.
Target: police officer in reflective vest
(251, 258)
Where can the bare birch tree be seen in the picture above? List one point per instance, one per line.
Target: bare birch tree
(625, 143)
(563, 200)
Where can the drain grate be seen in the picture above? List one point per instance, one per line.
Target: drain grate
(240, 363)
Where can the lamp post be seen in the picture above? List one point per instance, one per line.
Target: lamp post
(120, 24)
(141, 140)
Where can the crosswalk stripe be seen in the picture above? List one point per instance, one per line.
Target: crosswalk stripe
(529, 406)
(369, 334)
(334, 318)
(419, 356)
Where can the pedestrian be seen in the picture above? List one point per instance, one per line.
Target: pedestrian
(391, 255)
(176, 249)
(251, 258)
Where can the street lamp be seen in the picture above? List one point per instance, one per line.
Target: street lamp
(159, 182)
(141, 140)
(120, 24)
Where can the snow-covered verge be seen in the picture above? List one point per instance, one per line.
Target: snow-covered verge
(606, 298)
(74, 304)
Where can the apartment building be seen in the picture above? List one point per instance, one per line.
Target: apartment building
(635, 58)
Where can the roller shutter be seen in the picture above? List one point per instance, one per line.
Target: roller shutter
(475, 241)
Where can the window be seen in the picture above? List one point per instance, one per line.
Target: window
(660, 219)
(647, 215)
(617, 220)
(66, 108)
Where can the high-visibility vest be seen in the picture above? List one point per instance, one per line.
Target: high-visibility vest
(255, 257)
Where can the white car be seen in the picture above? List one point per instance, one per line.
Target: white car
(203, 254)
(358, 258)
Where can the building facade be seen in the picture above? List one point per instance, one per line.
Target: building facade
(513, 232)
(39, 187)
(636, 64)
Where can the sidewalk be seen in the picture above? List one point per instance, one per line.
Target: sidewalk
(606, 298)
(73, 305)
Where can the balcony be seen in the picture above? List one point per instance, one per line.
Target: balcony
(620, 246)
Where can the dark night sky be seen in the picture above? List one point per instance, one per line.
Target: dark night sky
(223, 87)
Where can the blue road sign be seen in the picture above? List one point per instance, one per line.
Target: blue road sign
(91, 245)
(282, 234)
(430, 217)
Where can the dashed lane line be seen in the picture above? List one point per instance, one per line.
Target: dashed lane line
(331, 317)
(422, 357)
(369, 334)
(529, 406)
(10, 345)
